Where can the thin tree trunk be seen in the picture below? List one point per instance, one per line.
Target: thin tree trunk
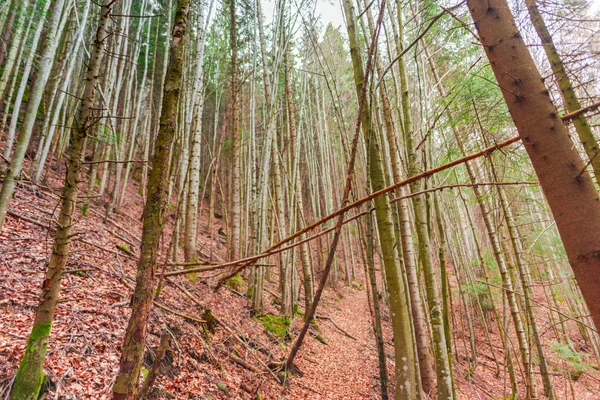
(234, 244)
(135, 336)
(191, 213)
(442, 364)
(30, 375)
(17, 109)
(406, 385)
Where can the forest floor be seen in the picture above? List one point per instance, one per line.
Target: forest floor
(94, 310)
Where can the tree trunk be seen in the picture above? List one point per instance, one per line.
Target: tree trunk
(191, 212)
(569, 191)
(234, 234)
(135, 336)
(406, 385)
(30, 375)
(583, 128)
(442, 364)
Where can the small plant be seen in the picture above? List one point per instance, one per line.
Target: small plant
(480, 290)
(572, 358)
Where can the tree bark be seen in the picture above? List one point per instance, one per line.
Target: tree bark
(236, 140)
(406, 385)
(30, 375)
(582, 127)
(569, 191)
(135, 336)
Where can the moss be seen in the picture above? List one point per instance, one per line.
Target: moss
(84, 209)
(124, 248)
(277, 325)
(297, 310)
(30, 376)
(236, 283)
(192, 276)
(321, 339)
(157, 291)
(40, 331)
(223, 387)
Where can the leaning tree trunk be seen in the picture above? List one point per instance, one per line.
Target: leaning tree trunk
(135, 336)
(569, 191)
(30, 375)
(583, 128)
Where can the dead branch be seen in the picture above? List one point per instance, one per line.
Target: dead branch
(463, 185)
(575, 114)
(245, 262)
(30, 220)
(245, 364)
(337, 326)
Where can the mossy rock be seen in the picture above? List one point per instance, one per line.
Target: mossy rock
(236, 283)
(282, 376)
(223, 387)
(276, 324)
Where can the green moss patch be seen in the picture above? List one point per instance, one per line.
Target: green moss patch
(236, 283)
(124, 248)
(275, 324)
(40, 331)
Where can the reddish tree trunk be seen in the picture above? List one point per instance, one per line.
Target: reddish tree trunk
(568, 188)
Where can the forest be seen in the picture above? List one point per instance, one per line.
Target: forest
(299, 199)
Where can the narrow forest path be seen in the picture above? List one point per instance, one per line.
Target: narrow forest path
(344, 368)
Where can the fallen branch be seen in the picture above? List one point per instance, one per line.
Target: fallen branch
(157, 304)
(274, 249)
(245, 364)
(226, 327)
(337, 326)
(459, 185)
(107, 250)
(30, 220)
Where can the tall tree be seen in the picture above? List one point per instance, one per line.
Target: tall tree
(403, 342)
(235, 139)
(30, 375)
(569, 191)
(135, 336)
(191, 218)
(572, 104)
